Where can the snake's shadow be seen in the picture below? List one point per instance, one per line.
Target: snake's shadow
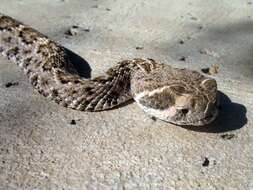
(81, 65)
(231, 116)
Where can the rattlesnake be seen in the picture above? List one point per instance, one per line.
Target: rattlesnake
(179, 96)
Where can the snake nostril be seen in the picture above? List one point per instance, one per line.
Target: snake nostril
(184, 111)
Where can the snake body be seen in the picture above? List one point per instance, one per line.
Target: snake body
(180, 96)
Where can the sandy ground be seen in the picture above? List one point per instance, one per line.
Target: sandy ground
(123, 148)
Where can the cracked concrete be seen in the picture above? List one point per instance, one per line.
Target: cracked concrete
(41, 147)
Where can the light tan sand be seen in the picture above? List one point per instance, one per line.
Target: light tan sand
(123, 148)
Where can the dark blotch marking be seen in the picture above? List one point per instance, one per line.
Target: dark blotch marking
(34, 80)
(20, 34)
(121, 83)
(88, 89)
(64, 81)
(54, 93)
(27, 62)
(153, 118)
(185, 111)
(76, 81)
(114, 94)
(27, 51)
(12, 51)
(89, 93)
(29, 35)
(114, 101)
(9, 29)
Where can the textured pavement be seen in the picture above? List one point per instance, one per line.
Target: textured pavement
(42, 148)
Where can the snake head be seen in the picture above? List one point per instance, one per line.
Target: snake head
(184, 98)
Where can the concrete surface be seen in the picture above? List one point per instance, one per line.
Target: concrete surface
(123, 148)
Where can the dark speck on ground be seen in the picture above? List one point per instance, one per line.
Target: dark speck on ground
(181, 41)
(183, 58)
(73, 122)
(228, 136)
(206, 162)
(9, 84)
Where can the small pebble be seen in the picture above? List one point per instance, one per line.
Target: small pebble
(73, 31)
(205, 70)
(206, 162)
(208, 52)
(203, 51)
(73, 122)
(214, 69)
(228, 136)
(200, 27)
(86, 30)
(153, 118)
(139, 48)
(181, 41)
(108, 9)
(182, 58)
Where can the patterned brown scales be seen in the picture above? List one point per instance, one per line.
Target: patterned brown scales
(179, 96)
